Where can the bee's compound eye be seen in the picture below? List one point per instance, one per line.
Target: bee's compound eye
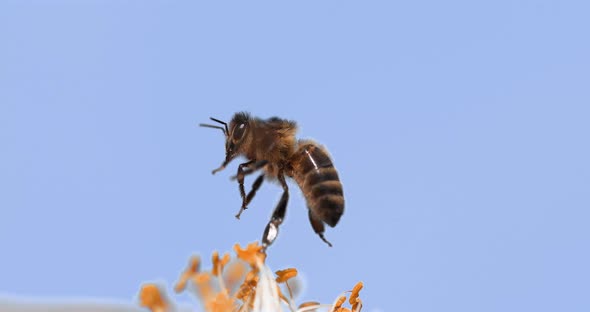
(239, 131)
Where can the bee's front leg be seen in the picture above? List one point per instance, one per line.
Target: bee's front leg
(240, 176)
(251, 166)
(255, 187)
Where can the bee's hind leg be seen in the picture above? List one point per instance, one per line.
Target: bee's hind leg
(272, 228)
(318, 226)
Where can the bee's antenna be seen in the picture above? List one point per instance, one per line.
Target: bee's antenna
(225, 130)
(221, 122)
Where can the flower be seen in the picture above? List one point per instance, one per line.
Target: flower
(152, 298)
(190, 272)
(247, 285)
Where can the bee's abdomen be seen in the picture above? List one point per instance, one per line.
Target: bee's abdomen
(319, 181)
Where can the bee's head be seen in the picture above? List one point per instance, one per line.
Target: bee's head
(235, 135)
(238, 131)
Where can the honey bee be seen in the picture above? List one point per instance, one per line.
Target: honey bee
(270, 144)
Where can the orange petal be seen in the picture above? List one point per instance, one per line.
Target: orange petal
(151, 297)
(339, 303)
(252, 254)
(192, 269)
(248, 287)
(308, 305)
(215, 261)
(221, 303)
(203, 283)
(355, 293)
(225, 259)
(243, 293)
(284, 275)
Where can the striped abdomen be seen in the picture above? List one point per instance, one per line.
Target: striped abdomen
(316, 176)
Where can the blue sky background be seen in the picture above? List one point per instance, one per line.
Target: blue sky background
(460, 130)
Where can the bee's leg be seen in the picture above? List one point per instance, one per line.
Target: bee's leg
(220, 167)
(318, 226)
(255, 187)
(272, 228)
(251, 166)
(240, 177)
